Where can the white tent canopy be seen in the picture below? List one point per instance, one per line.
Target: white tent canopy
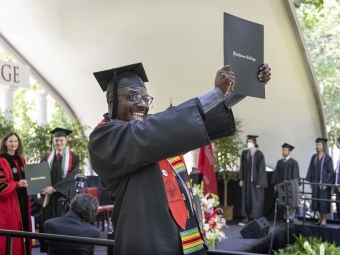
(180, 44)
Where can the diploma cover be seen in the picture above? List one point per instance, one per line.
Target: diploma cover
(243, 51)
(38, 177)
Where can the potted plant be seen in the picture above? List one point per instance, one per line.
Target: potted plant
(226, 154)
(309, 245)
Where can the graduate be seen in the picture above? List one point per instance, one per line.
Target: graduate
(138, 156)
(286, 169)
(337, 180)
(64, 166)
(253, 180)
(321, 171)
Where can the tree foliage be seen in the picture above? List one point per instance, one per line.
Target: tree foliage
(226, 155)
(36, 138)
(227, 149)
(7, 124)
(319, 20)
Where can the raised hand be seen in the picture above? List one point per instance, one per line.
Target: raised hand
(264, 74)
(225, 79)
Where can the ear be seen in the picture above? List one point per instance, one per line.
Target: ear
(109, 100)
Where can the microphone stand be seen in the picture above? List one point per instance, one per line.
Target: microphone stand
(287, 223)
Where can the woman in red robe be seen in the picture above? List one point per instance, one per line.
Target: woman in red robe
(15, 207)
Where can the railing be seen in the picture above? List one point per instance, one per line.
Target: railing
(304, 182)
(9, 234)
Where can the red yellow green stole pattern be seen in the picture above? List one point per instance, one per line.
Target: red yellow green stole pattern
(190, 235)
(191, 241)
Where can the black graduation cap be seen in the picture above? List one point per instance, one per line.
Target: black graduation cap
(252, 137)
(58, 132)
(125, 76)
(321, 140)
(286, 145)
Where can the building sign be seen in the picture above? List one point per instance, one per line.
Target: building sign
(14, 74)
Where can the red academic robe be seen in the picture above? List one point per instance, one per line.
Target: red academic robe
(10, 218)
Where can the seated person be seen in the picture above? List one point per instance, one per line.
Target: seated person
(77, 222)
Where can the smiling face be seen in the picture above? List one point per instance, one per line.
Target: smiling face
(127, 110)
(12, 144)
(59, 143)
(319, 147)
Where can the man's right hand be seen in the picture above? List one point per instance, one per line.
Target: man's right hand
(225, 79)
(22, 183)
(241, 183)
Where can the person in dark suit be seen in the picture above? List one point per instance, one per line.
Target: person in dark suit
(286, 169)
(77, 222)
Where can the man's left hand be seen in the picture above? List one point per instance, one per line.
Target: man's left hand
(48, 190)
(264, 74)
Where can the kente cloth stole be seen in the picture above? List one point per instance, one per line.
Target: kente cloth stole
(66, 160)
(189, 233)
(173, 193)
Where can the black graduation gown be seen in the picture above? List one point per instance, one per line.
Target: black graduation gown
(61, 185)
(126, 156)
(252, 197)
(327, 175)
(288, 170)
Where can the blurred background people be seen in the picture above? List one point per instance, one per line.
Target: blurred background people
(321, 171)
(337, 180)
(286, 169)
(64, 166)
(14, 202)
(253, 180)
(77, 222)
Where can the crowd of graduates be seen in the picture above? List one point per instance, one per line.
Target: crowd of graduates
(321, 175)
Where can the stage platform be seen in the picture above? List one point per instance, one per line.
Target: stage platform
(233, 242)
(236, 244)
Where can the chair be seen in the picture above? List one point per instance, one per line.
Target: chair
(104, 211)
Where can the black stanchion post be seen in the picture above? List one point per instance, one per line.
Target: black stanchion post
(287, 222)
(8, 245)
(196, 176)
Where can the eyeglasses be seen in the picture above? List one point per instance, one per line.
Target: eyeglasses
(137, 98)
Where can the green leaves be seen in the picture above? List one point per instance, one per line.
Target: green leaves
(36, 138)
(227, 150)
(319, 20)
(308, 246)
(226, 155)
